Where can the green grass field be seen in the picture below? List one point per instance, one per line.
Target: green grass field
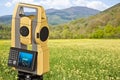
(83, 59)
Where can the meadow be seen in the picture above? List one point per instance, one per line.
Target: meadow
(74, 59)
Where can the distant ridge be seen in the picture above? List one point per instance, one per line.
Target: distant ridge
(56, 17)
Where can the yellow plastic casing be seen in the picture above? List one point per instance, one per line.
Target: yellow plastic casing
(42, 65)
(43, 56)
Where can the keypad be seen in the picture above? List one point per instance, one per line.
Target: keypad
(13, 57)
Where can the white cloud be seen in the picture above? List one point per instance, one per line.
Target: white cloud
(80, 2)
(26, 1)
(8, 4)
(60, 4)
(97, 5)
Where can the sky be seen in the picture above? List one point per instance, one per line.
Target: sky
(7, 6)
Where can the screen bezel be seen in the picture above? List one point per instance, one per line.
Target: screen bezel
(34, 53)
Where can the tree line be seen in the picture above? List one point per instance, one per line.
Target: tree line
(67, 32)
(5, 31)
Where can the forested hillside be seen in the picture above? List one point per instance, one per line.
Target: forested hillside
(5, 31)
(103, 25)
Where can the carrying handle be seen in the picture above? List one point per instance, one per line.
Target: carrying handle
(19, 10)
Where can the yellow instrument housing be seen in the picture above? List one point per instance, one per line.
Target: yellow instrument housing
(34, 24)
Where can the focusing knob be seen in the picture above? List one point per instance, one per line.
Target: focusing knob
(44, 33)
(24, 31)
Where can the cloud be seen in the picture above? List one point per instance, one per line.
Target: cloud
(61, 4)
(58, 4)
(12, 2)
(8, 4)
(26, 1)
(97, 5)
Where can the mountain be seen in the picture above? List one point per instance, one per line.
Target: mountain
(105, 24)
(5, 19)
(109, 16)
(65, 15)
(60, 16)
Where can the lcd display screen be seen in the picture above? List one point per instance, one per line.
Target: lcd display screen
(25, 60)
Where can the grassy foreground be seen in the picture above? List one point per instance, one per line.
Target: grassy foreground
(74, 60)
